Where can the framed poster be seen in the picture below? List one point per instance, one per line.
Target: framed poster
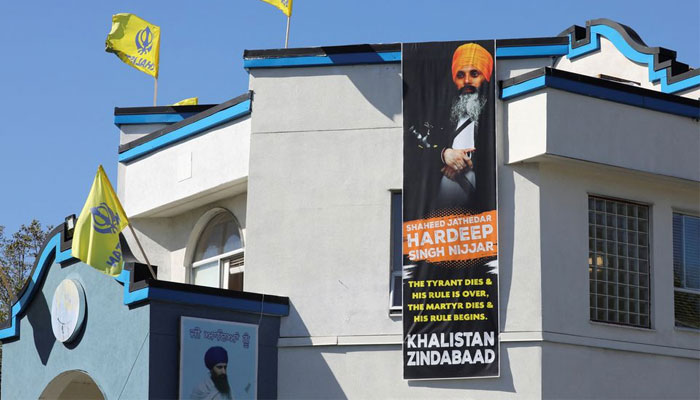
(218, 359)
(450, 227)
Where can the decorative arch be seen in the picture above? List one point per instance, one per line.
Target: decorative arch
(74, 384)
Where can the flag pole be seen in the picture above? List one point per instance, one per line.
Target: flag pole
(286, 38)
(155, 91)
(150, 268)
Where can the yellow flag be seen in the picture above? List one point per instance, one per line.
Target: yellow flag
(96, 234)
(135, 41)
(284, 5)
(192, 101)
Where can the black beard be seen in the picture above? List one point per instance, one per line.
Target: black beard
(221, 384)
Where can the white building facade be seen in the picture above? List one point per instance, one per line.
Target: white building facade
(294, 189)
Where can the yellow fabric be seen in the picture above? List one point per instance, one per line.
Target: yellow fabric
(474, 55)
(284, 5)
(192, 101)
(96, 234)
(135, 41)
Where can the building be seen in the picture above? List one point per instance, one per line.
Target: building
(598, 181)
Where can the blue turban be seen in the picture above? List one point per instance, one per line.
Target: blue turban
(215, 355)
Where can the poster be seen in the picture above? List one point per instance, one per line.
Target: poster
(218, 358)
(450, 227)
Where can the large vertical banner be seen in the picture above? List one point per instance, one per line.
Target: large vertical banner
(450, 230)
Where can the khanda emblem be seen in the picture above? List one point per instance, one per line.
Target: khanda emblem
(104, 220)
(144, 40)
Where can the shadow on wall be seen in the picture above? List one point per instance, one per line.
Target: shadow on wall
(380, 86)
(39, 316)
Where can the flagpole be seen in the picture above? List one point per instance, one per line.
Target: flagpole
(150, 268)
(286, 38)
(155, 91)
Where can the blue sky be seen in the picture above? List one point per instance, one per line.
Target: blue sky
(59, 86)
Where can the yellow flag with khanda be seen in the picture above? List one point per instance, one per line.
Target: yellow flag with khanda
(96, 233)
(284, 5)
(135, 41)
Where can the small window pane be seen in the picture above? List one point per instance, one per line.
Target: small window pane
(220, 236)
(235, 281)
(207, 274)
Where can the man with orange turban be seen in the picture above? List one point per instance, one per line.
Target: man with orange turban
(472, 66)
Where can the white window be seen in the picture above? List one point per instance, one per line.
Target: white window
(618, 262)
(686, 270)
(218, 254)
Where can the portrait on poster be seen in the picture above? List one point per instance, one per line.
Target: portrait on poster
(218, 359)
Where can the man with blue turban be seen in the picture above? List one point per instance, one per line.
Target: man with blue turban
(215, 386)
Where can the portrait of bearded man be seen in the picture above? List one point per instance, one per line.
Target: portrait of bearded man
(453, 157)
(472, 67)
(215, 386)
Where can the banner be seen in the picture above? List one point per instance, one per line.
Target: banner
(218, 359)
(450, 228)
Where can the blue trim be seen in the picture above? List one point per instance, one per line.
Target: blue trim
(187, 131)
(150, 118)
(334, 59)
(53, 246)
(532, 51)
(523, 87)
(616, 38)
(243, 305)
(601, 92)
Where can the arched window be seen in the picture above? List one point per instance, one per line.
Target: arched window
(218, 254)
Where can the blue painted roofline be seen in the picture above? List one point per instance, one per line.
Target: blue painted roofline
(532, 51)
(52, 254)
(596, 30)
(335, 59)
(617, 39)
(221, 117)
(587, 89)
(151, 118)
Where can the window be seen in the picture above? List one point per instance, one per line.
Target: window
(686, 270)
(395, 294)
(218, 255)
(618, 262)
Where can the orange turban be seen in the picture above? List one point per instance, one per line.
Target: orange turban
(474, 55)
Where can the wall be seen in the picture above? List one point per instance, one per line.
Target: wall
(165, 345)
(201, 169)
(113, 335)
(166, 240)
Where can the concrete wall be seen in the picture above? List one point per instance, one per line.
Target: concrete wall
(319, 195)
(114, 339)
(319, 232)
(556, 123)
(201, 169)
(169, 241)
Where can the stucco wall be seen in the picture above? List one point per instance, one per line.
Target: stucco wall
(113, 347)
(209, 164)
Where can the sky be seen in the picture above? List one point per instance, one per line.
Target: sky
(59, 86)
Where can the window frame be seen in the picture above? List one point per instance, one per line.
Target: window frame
(200, 227)
(683, 288)
(395, 255)
(221, 258)
(617, 270)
